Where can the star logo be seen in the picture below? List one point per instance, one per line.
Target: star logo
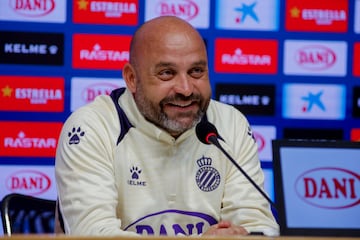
(313, 100)
(7, 91)
(247, 10)
(295, 12)
(82, 4)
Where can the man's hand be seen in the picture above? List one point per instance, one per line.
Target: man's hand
(225, 228)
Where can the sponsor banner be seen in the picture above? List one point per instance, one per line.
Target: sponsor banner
(37, 181)
(47, 11)
(32, 48)
(196, 12)
(31, 94)
(29, 139)
(245, 56)
(314, 101)
(263, 136)
(118, 12)
(100, 51)
(84, 90)
(317, 16)
(315, 58)
(356, 102)
(247, 15)
(356, 59)
(357, 17)
(323, 185)
(355, 135)
(313, 133)
(247, 98)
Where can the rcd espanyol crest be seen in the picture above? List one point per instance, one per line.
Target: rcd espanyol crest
(207, 177)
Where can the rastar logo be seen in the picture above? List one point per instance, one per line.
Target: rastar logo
(184, 9)
(94, 90)
(22, 141)
(100, 51)
(245, 56)
(33, 8)
(28, 182)
(98, 54)
(332, 188)
(30, 139)
(315, 57)
(240, 58)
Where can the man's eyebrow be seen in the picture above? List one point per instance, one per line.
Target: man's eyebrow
(164, 64)
(200, 63)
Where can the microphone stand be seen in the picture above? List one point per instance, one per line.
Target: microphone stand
(213, 139)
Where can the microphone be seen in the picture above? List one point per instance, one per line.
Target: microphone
(207, 134)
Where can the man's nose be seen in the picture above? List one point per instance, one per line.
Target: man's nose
(184, 85)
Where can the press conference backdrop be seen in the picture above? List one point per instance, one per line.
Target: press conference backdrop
(292, 67)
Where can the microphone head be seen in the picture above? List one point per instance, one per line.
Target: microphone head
(205, 130)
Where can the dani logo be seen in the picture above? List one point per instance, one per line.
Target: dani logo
(50, 11)
(29, 182)
(93, 90)
(196, 12)
(32, 8)
(329, 187)
(185, 9)
(85, 90)
(315, 57)
(192, 223)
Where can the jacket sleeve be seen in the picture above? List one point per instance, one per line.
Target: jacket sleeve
(85, 177)
(242, 203)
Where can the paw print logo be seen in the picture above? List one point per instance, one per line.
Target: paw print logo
(135, 172)
(75, 135)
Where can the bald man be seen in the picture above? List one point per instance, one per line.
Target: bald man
(131, 164)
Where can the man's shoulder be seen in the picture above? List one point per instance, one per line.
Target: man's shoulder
(219, 109)
(102, 107)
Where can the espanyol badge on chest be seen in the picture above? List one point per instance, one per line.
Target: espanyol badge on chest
(207, 177)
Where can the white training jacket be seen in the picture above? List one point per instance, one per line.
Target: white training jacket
(134, 178)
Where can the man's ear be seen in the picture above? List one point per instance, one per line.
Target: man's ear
(128, 74)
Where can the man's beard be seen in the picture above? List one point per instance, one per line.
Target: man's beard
(155, 112)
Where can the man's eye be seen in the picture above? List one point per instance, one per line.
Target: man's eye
(166, 74)
(196, 72)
